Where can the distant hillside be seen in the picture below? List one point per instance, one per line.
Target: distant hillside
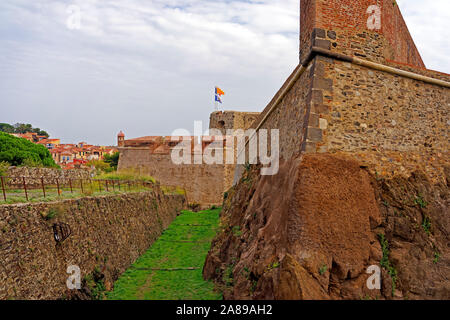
(21, 128)
(18, 151)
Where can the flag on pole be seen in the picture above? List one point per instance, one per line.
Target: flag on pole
(219, 93)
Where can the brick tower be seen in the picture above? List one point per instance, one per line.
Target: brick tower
(370, 29)
(120, 139)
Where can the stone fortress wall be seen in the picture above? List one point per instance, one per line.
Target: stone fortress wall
(107, 234)
(360, 119)
(204, 184)
(360, 91)
(224, 120)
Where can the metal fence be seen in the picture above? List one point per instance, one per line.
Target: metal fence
(32, 187)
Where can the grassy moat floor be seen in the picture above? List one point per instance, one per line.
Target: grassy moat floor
(171, 269)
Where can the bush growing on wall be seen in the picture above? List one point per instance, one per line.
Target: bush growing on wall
(100, 166)
(113, 160)
(18, 151)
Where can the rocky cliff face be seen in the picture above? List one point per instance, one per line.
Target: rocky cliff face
(312, 231)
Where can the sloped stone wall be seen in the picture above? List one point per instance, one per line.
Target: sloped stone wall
(107, 234)
(394, 124)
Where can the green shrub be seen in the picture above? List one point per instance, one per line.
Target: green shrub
(426, 225)
(4, 166)
(126, 175)
(101, 166)
(385, 263)
(323, 269)
(236, 231)
(18, 152)
(437, 256)
(112, 160)
(420, 201)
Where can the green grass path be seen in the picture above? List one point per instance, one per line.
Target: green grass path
(184, 244)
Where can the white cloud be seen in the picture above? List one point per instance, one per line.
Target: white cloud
(149, 67)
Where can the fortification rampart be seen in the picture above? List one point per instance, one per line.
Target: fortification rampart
(204, 184)
(349, 95)
(393, 123)
(224, 120)
(107, 234)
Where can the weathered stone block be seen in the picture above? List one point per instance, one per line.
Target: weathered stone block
(314, 120)
(331, 34)
(323, 84)
(314, 134)
(320, 109)
(318, 33)
(323, 123)
(315, 97)
(309, 147)
(321, 43)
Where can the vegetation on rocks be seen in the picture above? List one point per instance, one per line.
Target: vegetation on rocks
(385, 263)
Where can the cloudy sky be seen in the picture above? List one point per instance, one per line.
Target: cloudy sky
(149, 67)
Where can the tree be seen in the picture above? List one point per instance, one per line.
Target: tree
(100, 166)
(22, 128)
(112, 160)
(18, 151)
(42, 132)
(5, 127)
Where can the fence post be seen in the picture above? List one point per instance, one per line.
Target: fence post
(3, 188)
(43, 186)
(118, 184)
(57, 186)
(70, 184)
(25, 188)
(81, 185)
(114, 188)
(106, 184)
(99, 186)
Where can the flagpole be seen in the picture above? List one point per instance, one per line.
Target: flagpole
(216, 107)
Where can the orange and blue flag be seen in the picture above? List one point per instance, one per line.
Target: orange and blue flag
(219, 93)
